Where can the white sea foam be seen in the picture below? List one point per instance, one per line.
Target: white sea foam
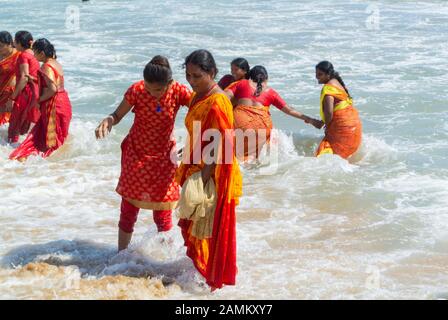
(307, 227)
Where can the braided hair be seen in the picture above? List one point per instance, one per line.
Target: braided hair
(327, 67)
(258, 74)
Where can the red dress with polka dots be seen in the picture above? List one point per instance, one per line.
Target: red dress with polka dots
(147, 171)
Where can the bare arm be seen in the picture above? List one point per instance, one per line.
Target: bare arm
(21, 83)
(206, 172)
(296, 114)
(231, 96)
(49, 91)
(328, 109)
(106, 125)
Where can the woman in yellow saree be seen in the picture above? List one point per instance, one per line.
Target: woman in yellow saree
(8, 61)
(343, 129)
(213, 255)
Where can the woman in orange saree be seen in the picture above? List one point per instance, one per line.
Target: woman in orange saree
(8, 60)
(252, 99)
(343, 129)
(51, 129)
(26, 92)
(210, 109)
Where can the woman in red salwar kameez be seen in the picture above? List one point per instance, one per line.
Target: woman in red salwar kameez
(8, 60)
(51, 129)
(148, 161)
(26, 93)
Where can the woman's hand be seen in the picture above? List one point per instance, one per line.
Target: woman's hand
(315, 123)
(104, 128)
(206, 173)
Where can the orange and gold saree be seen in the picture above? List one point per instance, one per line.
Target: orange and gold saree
(259, 121)
(7, 84)
(344, 132)
(214, 257)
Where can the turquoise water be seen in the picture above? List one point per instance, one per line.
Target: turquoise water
(374, 227)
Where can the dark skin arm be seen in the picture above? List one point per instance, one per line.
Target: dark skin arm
(106, 125)
(49, 91)
(294, 113)
(328, 113)
(206, 172)
(21, 83)
(328, 109)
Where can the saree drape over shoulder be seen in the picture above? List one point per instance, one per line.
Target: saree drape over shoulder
(7, 84)
(344, 132)
(51, 130)
(214, 256)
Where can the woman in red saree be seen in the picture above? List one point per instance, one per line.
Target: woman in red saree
(26, 92)
(148, 163)
(343, 129)
(252, 99)
(214, 256)
(8, 60)
(51, 129)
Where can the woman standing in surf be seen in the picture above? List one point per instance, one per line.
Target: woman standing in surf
(343, 129)
(8, 61)
(214, 251)
(51, 129)
(26, 93)
(147, 170)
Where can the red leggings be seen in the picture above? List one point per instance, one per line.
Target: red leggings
(129, 213)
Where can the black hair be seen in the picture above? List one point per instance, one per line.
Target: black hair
(6, 38)
(24, 38)
(45, 46)
(243, 64)
(204, 60)
(327, 67)
(258, 74)
(158, 70)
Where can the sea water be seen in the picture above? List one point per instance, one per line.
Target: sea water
(373, 227)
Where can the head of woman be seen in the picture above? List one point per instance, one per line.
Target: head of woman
(259, 75)
(200, 70)
(158, 76)
(325, 72)
(23, 40)
(6, 43)
(240, 69)
(44, 50)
